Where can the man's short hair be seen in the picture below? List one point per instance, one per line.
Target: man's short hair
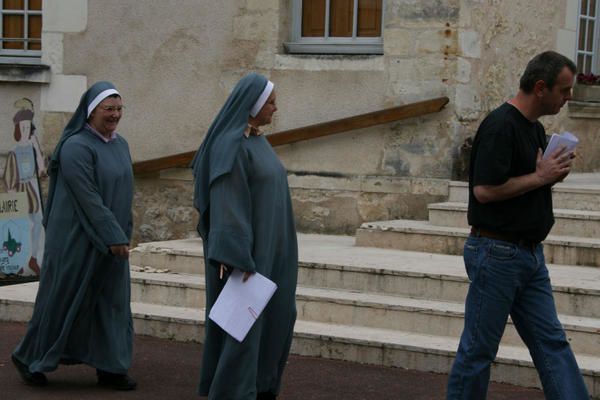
(545, 67)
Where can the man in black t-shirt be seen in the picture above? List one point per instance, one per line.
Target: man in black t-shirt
(510, 211)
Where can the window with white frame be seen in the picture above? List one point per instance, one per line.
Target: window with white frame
(587, 34)
(337, 26)
(20, 31)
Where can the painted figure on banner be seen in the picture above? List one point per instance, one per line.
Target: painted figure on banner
(24, 166)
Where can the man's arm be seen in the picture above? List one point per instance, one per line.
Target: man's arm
(548, 171)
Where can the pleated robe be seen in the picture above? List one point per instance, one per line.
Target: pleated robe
(82, 310)
(251, 229)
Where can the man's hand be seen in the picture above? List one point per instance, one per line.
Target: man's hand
(120, 250)
(554, 168)
(547, 172)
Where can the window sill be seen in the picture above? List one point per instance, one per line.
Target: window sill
(32, 72)
(334, 48)
(584, 109)
(320, 62)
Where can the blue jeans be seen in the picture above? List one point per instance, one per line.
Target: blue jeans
(509, 279)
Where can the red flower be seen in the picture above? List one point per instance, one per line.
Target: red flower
(588, 79)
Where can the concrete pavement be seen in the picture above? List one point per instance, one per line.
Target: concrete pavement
(169, 370)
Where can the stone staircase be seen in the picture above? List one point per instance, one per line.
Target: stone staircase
(574, 239)
(380, 302)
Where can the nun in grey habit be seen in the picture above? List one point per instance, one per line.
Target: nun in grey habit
(246, 223)
(82, 310)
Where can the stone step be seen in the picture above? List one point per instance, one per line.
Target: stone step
(422, 236)
(178, 290)
(578, 192)
(567, 222)
(458, 192)
(421, 316)
(333, 262)
(382, 347)
(357, 308)
(181, 256)
(419, 352)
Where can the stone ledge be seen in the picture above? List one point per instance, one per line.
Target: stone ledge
(369, 184)
(350, 183)
(584, 109)
(315, 62)
(33, 73)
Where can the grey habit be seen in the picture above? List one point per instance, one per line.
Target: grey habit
(246, 222)
(82, 310)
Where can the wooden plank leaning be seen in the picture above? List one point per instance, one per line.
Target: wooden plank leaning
(311, 131)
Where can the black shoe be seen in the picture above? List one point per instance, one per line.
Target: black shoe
(115, 381)
(266, 396)
(30, 378)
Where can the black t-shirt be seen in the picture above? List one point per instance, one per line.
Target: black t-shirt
(506, 146)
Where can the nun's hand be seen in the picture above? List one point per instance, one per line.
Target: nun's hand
(222, 271)
(120, 250)
(247, 275)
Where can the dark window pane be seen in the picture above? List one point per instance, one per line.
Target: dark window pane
(13, 29)
(340, 18)
(35, 5)
(580, 62)
(369, 18)
(590, 35)
(582, 31)
(313, 18)
(592, 8)
(588, 64)
(13, 4)
(584, 7)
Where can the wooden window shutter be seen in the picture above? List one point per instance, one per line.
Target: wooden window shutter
(341, 18)
(13, 4)
(13, 25)
(313, 18)
(369, 18)
(35, 32)
(13, 28)
(35, 5)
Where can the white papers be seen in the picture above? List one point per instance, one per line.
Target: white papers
(566, 139)
(240, 303)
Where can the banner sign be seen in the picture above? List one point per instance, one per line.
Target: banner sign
(14, 233)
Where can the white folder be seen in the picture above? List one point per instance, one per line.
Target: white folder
(240, 303)
(566, 139)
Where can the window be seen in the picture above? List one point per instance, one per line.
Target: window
(21, 31)
(337, 26)
(587, 34)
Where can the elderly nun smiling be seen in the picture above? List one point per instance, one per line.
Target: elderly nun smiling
(82, 312)
(246, 223)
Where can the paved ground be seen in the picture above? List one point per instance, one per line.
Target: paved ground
(169, 370)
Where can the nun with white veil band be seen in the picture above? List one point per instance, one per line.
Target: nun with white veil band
(82, 311)
(246, 223)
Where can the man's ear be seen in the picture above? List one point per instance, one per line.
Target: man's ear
(539, 87)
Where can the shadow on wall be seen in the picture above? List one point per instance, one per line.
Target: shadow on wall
(460, 169)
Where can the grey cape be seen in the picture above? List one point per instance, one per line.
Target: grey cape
(246, 222)
(82, 310)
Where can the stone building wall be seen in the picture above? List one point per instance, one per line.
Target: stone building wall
(176, 61)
